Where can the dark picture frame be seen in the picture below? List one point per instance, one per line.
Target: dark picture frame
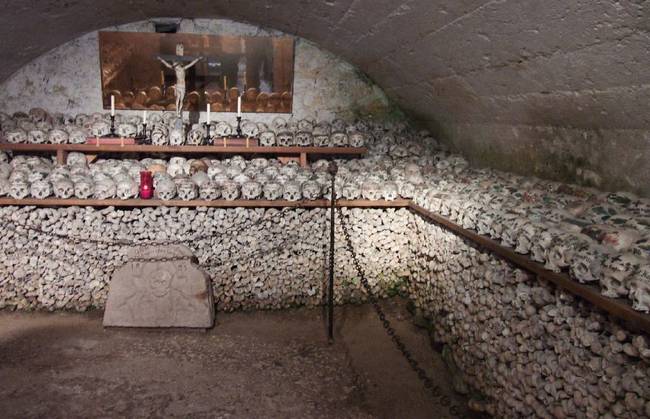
(260, 69)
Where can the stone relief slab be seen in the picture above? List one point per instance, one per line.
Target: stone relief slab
(148, 292)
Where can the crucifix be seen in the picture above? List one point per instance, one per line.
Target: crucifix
(176, 63)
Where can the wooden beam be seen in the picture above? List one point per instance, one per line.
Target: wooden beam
(186, 149)
(616, 307)
(220, 203)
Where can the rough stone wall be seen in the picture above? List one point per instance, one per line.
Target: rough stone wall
(257, 259)
(67, 79)
(528, 348)
(554, 89)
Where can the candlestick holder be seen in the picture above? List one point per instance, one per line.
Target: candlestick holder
(239, 133)
(206, 138)
(112, 125)
(142, 137)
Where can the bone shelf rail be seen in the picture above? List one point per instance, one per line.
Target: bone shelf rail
(302, 153)
(220, 203)
(618, 308)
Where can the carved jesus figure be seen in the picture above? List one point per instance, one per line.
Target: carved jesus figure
(180, 70)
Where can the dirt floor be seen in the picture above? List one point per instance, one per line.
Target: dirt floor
(251, 365)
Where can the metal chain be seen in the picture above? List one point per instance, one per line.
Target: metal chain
(161, 259)
(421, 373)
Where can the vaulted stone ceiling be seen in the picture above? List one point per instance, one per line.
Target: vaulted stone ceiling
(554, 88)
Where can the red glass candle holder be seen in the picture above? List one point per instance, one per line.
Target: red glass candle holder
(146, 185)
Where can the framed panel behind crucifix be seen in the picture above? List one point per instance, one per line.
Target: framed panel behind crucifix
(142, 71)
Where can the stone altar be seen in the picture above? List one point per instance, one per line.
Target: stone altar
(150, 292)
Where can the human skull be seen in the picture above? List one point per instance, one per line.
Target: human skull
(186, 190)
(617, 274)
(36, 136)
(304, 139)
(640, 289)
(105, 188)
(126, 130)
(220, 178)
(273, 190)
(159, 135)
(322, 141)
(165, 189)
(251, 190)
(278, 124)
(209, 191)
(406, 189)
(230, 190)
(100, 129)
(389, 191)
(38, 114)
(195, 136)
(267, 139)
(26, 125)
(371, 190)
(306, 125)
(126, 188)
(76, 159)
(176, 166)
(5, 186)
(77, 135)
(249, 129)
(199, 178)
(19, 189)
(260, 163)
(271, 171)
(176, 137)
(5, 169)
(357, 139)
(222, 129)
(339, 139)
(292, 191)
(58, 136)
(351, 190)
(84, 188)
(63, 188)
(216, 169)
(322, 128)
(285, 139)
(290, 170)
(338, 125)
(16, 136)
(311, 190)
(41, 189)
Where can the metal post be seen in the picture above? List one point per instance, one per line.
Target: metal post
(330, 295)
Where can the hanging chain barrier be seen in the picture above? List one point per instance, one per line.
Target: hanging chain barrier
(433, 388)
(333, 169)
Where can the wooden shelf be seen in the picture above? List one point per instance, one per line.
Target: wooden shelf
(220, 203)
(302, 153)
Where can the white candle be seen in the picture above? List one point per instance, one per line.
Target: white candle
(144, 117)
(112, 105)
(238, 105)
(207, 118)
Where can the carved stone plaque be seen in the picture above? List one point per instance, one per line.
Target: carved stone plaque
(147, 292)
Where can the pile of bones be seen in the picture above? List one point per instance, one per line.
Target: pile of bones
(598, 237)
(532, 349)
(39, 127)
